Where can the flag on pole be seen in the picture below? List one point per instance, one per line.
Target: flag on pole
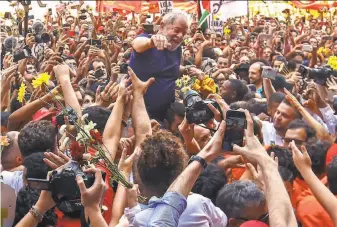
(205, 9)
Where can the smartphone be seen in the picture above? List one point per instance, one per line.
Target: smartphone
(25, 53)
(40, 184)
(268, 72)
(61, 50)
(236, 124)
(306, 47)
(110, 37)
(50, 11)
(327, 37)
(82, 17)
(95, 42)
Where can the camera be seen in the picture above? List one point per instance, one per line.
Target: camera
(25, 53)
(196, 108)
(37, 32)
(63, 186)
(124, 68)
(70, 112)
(319, 75)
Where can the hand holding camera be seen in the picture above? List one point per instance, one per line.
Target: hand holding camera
(91, 197)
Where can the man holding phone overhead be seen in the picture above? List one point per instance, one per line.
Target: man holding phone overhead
(159, 56)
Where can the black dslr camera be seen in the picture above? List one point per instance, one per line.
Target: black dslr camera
(319, 75)
(63, 186)
(70, 112)
(196, 108)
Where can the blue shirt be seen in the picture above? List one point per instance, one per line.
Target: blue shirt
(163, 65)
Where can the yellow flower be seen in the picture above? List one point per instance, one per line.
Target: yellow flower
(185, 79)
(185, 89)
(4, 141)
(20, 13)
(197, 85)
(332, 62)
(227, 31)
(42, 79)
(178, 83)
(22, 92)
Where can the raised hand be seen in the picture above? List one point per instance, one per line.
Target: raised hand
(91, 197)
(253, 151)
(138, 85)
(301, 158)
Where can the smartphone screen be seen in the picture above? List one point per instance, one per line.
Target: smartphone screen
(235, 127)
(307, 47)
(268, 72)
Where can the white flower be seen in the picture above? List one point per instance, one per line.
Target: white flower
(62, 129)
(84, 135)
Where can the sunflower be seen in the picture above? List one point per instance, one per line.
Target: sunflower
(22, 92)
(178, 83)
(185, 79)
(42, 79)
(332, 62)
(185, 89)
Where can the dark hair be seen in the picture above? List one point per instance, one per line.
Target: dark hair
(249, 96)
(256, 107)
(161, 161)
(276, 97)
(240, 88)
(98, 115)
(69, 58)
(297, 114)
(233, 198)
(279, 83)
(332, 175)
(210, 181)
(4, 118)
(239, 104)
(317, 151)
(37, 136)
(91, 65)
(35, 166)
(27, 198)
(286, 174)
(298, 123)
(298, 54)
(176, 108)
(279, 58)
(90, 93)
(285, 159)
(209, 53)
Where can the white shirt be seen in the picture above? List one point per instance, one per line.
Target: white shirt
(200, 211)
(13, 179)
(269, 134)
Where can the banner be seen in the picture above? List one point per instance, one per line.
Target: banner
(223, 10)
(316, 5)
(150, 6)
(165, 7)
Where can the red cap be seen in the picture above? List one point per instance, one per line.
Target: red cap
(42, 114)
(253, 223)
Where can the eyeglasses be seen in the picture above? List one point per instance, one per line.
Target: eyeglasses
(264, 218)
(286, 141)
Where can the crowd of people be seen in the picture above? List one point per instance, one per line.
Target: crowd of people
(130, 78)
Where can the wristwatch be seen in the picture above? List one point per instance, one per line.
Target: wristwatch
(198, 159)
